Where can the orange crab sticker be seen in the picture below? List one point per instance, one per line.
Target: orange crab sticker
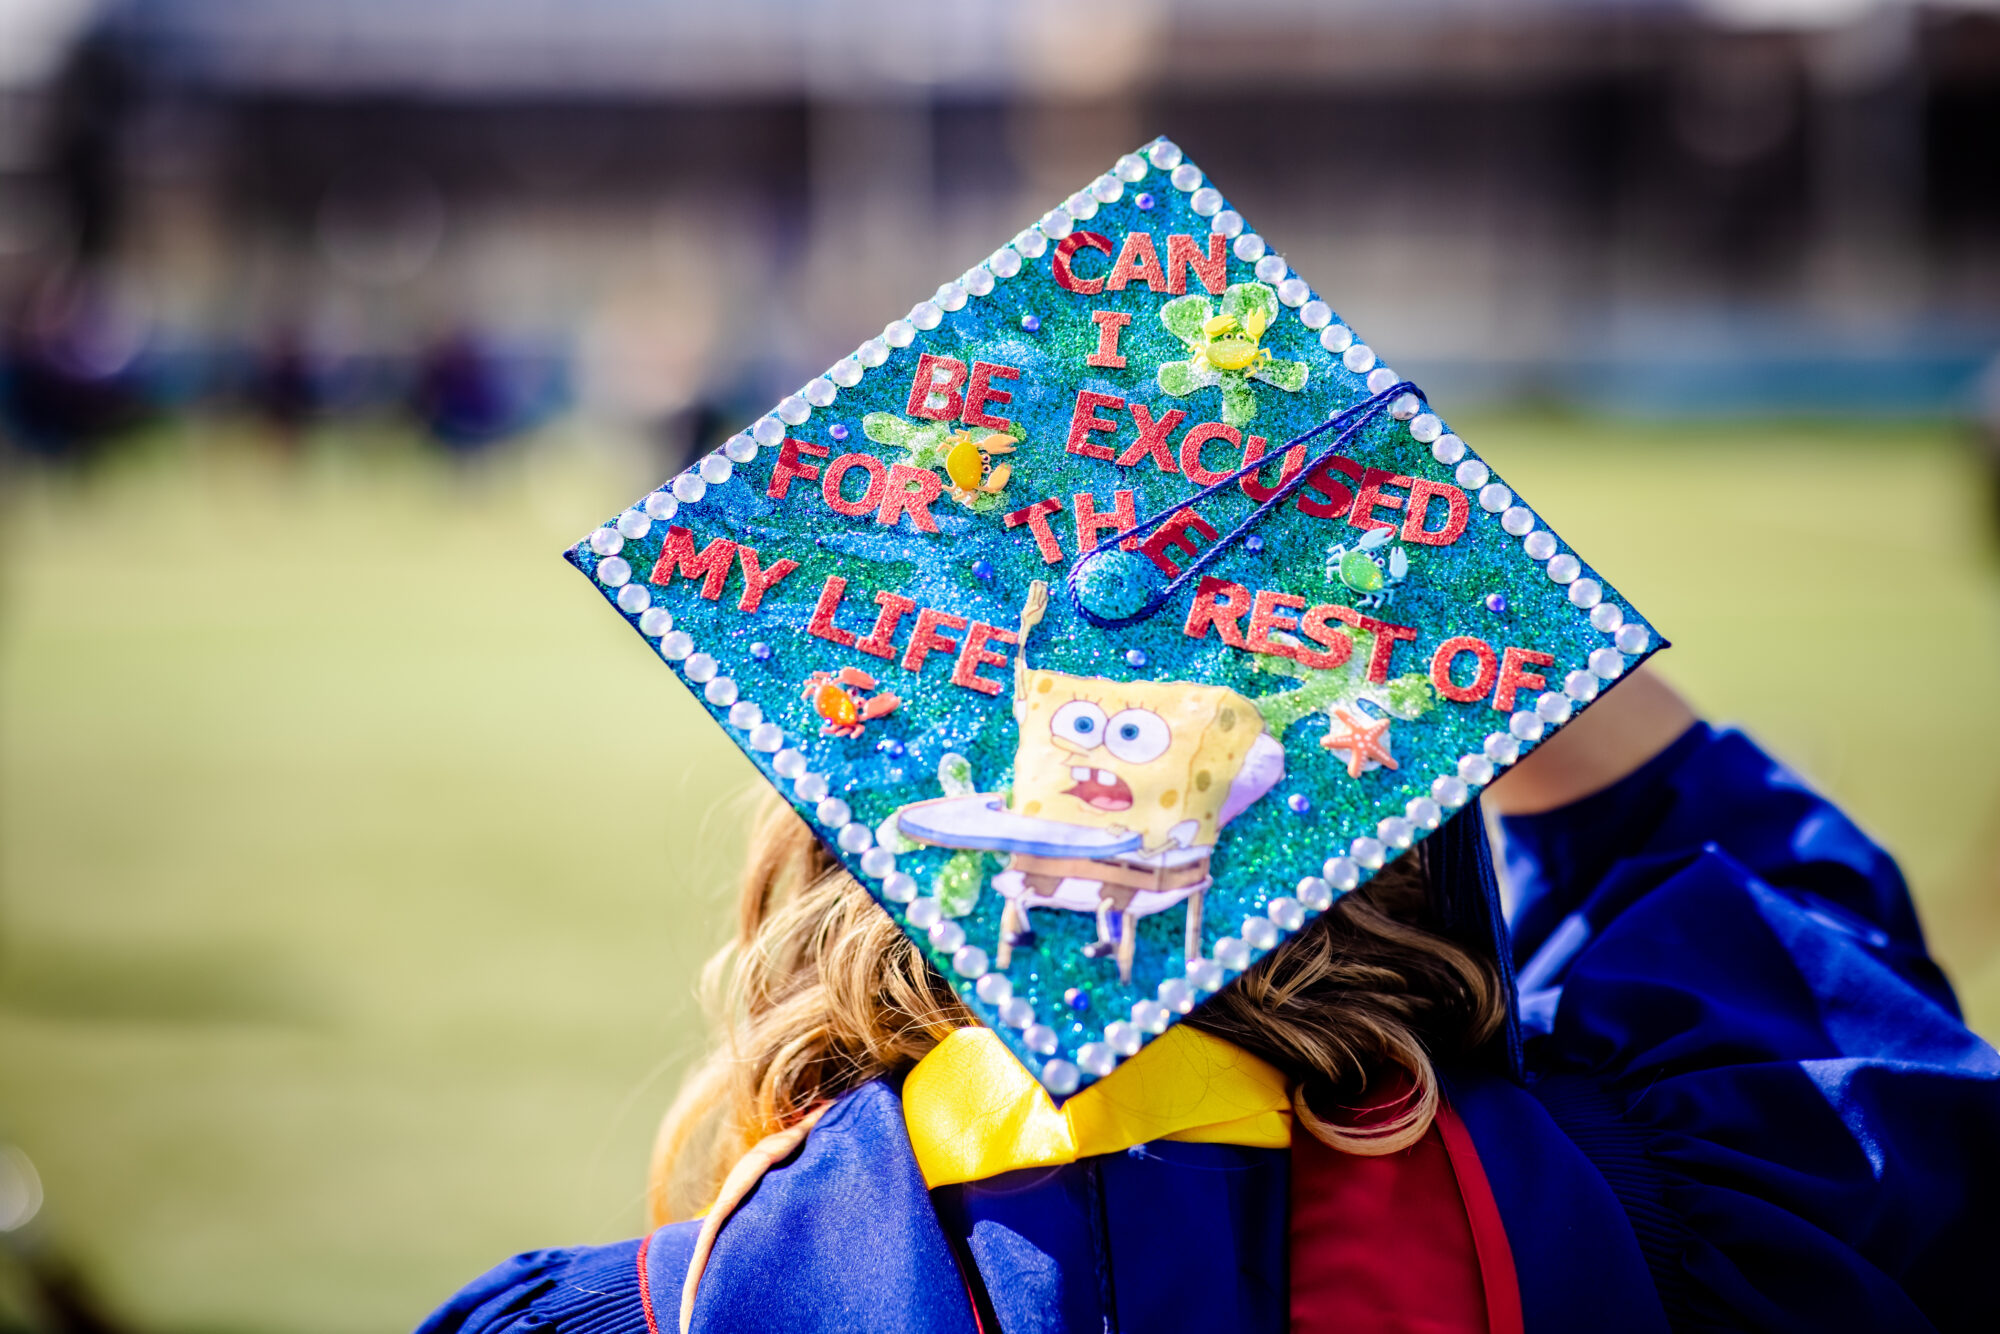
(848, 700)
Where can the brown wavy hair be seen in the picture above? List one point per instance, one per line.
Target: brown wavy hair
(820, 992)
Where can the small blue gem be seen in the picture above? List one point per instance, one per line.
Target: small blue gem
(1032, 323)
(837, 431)
(1077, 999)
(1496, 603)
(1299, 803)
(1135, 657)
(761, 651)
(982, 569)
(890, 746)
(1253, 544)
(1143, 200)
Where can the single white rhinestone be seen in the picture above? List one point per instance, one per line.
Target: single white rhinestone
(1336, 338)
(1518, 521)
(1632, 638)
(634, 598)
(700, 667)
(994, 989)
(978, 280)
(1206, 975)
(742, 447)
(899, 333)
(661, 505)
(1122, 1036)
(1315, 893)
(1058, 1077)
(1476, 770)
(1248, 247)
(1150, 1016)
(1031, 243)
(1315, 314)
(1564, 568)
(1041, 1040)
(969, 961)
(720, 692)
(1005, 263)
(871, 354)
(1607, 663)
(1405, 406)
(854, 836)
(1187, 177)
(1502, 749)
(833, 811)
(819, 391)
(1526, 726)
(1494, 497)
(1471, 474)
(1540, 545)
(793, 410)
(1343, 873)
(689, 487)
(1380, 379)
(768, 737)
(899, 887)
(1425, 427)
(1232, 953)
(1082, 206)
(810, 786)
(1095, 1058)
(1259, 933)
(951, 296)
(1586, 593)
(925, 913)
(745, 714)
(846, 372)
(1367, 851)
(1288, 913)
(1396, 832)
(1015, 1012)
(607, 541)
(946, 936)
(676, 644)
(716, 469)
(789, 763)
(1581, 686)
(1293, 291)
(1108, 189)
(1206, 202)
(1448, 449)
(1176, 994)
(1358, 358)
(1450, 792)
(1272, 268)
(614, 572)
(634, 524)
(1424, 813)
(877, 862)
(1056, 224)
(1130, 167)
(1226, 223)
(769, 431)
(1606, 616)
(1553, 708)
(926, 314)
(1164, 154)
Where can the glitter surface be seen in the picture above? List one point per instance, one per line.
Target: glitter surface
(1370, 656)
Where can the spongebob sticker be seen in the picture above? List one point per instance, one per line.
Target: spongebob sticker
(1120, 791)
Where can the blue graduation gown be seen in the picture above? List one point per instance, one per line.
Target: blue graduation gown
(1750, 1103)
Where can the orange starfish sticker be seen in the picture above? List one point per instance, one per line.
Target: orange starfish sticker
(1362, 740)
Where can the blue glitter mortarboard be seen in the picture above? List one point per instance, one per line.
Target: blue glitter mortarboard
(1113, 613)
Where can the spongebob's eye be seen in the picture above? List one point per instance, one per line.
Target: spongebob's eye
(1080, 723)
(1137, 735)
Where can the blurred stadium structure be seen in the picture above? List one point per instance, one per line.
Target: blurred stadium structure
(667, 214)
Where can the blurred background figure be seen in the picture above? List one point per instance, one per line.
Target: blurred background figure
(324, 324)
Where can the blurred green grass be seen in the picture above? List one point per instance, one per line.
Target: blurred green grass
(356, 862)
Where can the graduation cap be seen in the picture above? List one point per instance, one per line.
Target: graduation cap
(1114, 612)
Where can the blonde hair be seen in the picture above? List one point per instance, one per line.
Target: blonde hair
(819, 992)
